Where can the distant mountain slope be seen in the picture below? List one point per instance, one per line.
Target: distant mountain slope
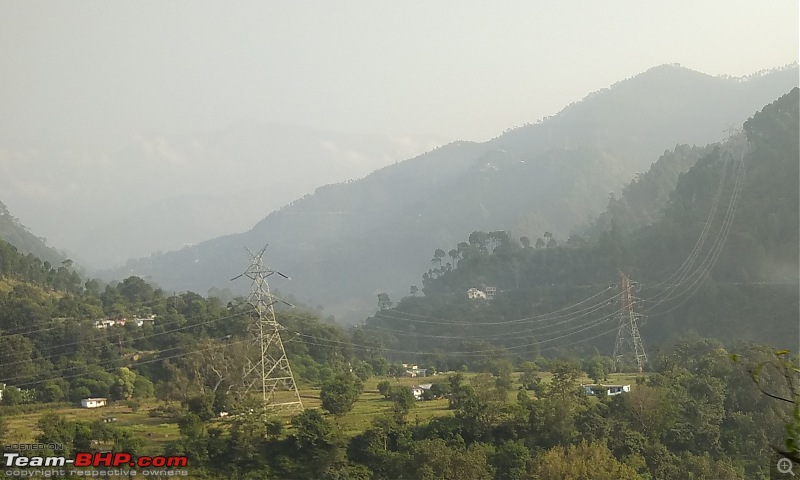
(643, 200)
(13, 232)
(157, 191)
(347, 242)
(740, 282)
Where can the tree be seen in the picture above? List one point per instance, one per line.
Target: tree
(781, 365)
(582, 461)
(499, 238)
(440, 389)
(384, 388)
(525, 241)
(539, 243)
(396, 370)
(124, 384)
(93, 287)
(312, 430)
(16, 355)
(530, 378)
(454, 255)
(76, 394)
(217, 367)
(201, 405)
(191, 426)
(597, 368)
(650, 409)
(134, 404)
(438, 255)
(142, 387)
(402, 400)
(340, 394)
(480, 240)
(565, 378)
(363, 371)
(413, 290)
(12, 396)
(274, 427)
(384, 302)
(380, 366)
(134, 289)
(56, 429)
(51, 393)
(433, 459)
(510, 460)
(502, 369)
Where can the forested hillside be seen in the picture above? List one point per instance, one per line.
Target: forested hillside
(15, 233)
(643, 200)
(696, 413)
(719, 260)
(348, 242)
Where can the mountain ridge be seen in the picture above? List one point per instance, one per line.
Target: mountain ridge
(60, 189)
(729, 272)
(19, 236)
(544, 177)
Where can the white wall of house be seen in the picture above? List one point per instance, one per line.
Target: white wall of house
(474, 293)
(93, 402)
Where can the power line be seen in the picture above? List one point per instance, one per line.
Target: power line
(77, 322)
(689, 261)
(716, 248)
(469, 353)
(144, 362)
(92, 340)
(185, 327)
(533, 319)
(501, 335)
(697, 283)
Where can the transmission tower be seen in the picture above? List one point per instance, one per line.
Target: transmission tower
(267, 368)
(629, 342)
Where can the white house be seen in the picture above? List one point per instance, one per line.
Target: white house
(93, 402)
(413, 370)
(617, 389)
(418, 390)
(611, 390)
(140, 321)
(473, 293)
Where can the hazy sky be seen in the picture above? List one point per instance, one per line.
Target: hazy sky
(92, 72)
(133, 111)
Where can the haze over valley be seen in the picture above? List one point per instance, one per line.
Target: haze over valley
(348, 242)
(417, 240)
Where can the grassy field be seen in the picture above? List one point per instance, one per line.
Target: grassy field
(157, 432)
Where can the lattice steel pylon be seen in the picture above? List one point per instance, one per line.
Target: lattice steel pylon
(629, 342)
(268, 368)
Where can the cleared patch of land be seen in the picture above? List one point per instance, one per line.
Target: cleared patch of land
(156, 432)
